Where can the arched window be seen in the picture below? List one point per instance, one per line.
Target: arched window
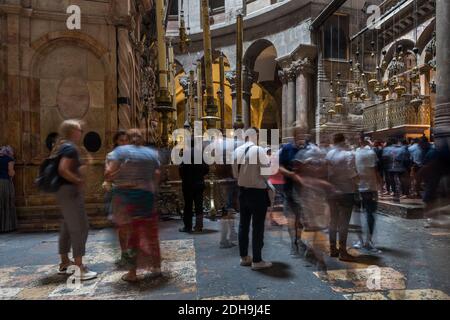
(173, 9)
(217, 5)
(335, 40)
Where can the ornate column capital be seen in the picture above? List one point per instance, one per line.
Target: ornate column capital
(304, 66)
(291, 74)
(282, 75)
(184, 82)
(231, 77)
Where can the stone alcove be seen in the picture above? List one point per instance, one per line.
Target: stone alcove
(69, 77)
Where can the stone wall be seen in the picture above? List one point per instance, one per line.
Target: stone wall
(49, 73)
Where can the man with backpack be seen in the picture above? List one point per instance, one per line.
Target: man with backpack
(399, 160)
(248, 161)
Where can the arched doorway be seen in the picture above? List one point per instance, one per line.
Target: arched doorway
(265, 101)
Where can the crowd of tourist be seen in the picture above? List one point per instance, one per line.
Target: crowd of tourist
(318, 187)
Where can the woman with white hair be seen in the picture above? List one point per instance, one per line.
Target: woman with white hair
(70, 197)
(8, 220)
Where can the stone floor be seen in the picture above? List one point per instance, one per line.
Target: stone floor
(413, 264)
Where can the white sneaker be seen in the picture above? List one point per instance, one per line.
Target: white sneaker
(246, 261)
(369, 246)
(86, 275)
(261, 265)
(227, 245)
(357, 245)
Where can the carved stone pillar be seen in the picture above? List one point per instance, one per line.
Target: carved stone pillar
(13, 113)
(231, 78)
(290, 117)
(248, 78)
(442, 117)
(303, 70)
(284, 80)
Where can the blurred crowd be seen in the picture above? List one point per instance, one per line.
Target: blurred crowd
(319, 188)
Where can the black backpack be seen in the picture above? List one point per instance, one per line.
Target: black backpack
(49, 179)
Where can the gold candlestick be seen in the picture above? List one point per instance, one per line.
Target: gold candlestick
(221, 92)
(211, 108)
(172, 71)
(239, 54)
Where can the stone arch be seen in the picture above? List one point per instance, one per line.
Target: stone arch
(426, 35)
(425, 56)
(51, 39)
(255, 49)
(47, 91)
(407, 44)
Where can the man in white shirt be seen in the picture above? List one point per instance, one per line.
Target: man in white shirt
(366, 165)
(343, 176)
(249, 161)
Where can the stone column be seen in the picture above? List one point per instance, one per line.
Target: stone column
(184, 82)
(14, 114)
(290, 117)
(284, 80)
(231, 78)
(303, 70)
(442, 115)
(248, 78)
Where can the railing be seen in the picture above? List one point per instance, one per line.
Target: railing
(395, 113)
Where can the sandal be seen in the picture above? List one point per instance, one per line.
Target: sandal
(126, 279)
(63, 268)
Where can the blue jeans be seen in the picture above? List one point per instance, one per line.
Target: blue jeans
(232, 192)
(254, 204)
(341, 207)
(370, 203)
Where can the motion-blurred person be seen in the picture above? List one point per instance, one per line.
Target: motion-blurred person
(70, 197)
(228, 234)
(311, 190)
(249, 161)
(405, 178)
(292, 208)
(134, 171)
(193, 186)
(277, 180)
(396, 161)
(343, 176)
(378, 149)
(416, 153)
(387, 163)
(119, 139)
(433, 169)
(8, 218)
(366, 166)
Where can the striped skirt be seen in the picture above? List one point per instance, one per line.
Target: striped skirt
(8, 219)
(137, 222)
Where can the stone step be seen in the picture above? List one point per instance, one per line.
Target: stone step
(51, 226)
(47, 218)
(408, 209)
